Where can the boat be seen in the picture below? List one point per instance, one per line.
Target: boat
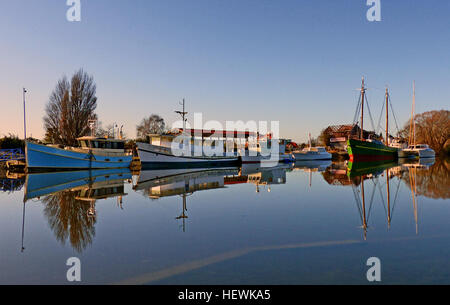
(370, 150)
(312, 153)
(199, 148)
(93, 153)
(418, 151)
(159, 153)
(415, 150)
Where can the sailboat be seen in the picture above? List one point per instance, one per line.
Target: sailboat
(370, 150)
(415, 150)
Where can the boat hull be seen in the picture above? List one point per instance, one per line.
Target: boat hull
(417, 153)
(310, 156)
(46, 158)
(365, 151)
(153, 157)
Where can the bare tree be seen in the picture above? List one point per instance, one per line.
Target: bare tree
(432, 128)
(151, 125)
(69, 109)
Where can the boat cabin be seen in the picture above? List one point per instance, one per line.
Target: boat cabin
(317, 149)
(104, 144)
(419, 146)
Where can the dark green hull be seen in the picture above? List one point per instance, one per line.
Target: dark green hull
(365, 151)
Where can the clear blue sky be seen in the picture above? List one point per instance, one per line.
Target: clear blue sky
(294, 61)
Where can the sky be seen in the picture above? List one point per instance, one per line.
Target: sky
(298, 62)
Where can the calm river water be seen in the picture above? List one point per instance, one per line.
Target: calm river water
(306, 223)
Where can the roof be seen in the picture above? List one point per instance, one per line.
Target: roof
(341, 128)
(100, 139)
(220, 133)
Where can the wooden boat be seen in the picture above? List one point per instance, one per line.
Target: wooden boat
(369, 150)
(93, 153)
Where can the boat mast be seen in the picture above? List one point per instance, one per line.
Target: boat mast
(24, 117)
(387, 117)
(412, 125)
(363, 93)
(183, 116)
(414, 111)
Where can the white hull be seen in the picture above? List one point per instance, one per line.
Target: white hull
(152, 156)
(417, 153)
(311, 155)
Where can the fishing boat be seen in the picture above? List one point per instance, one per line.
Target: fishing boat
(369, 150)
(415, 150)
(93, 153)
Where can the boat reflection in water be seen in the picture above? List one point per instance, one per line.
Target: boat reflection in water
(359, 176)
(70, 198)
(184, 182)
(312, 166)
(374, 182)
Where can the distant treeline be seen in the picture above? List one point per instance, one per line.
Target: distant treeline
(11, 142)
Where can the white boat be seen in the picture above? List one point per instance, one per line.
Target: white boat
(417, 151)
(159, 153)
(312, 153)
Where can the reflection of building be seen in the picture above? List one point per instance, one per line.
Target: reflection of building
(337, 175)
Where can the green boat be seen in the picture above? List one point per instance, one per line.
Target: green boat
(371, 150)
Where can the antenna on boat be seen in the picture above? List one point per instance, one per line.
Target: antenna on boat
(92, 126)
(183, 116)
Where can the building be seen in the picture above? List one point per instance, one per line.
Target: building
(339, 134)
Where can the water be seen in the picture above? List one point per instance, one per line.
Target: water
(301, 224)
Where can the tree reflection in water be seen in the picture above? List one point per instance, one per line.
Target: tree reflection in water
(432, 182)
(69, 220)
